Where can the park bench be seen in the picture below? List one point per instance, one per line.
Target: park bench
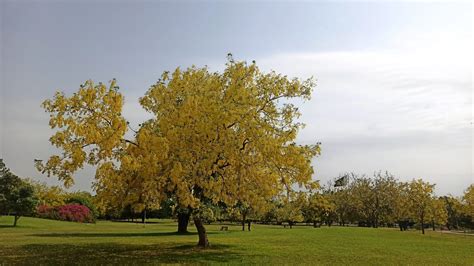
(224, 228)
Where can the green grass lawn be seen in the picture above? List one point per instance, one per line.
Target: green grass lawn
(38, 241)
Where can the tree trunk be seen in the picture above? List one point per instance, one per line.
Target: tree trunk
(243, 221)
(249, 223)
(433, 225)
(143, 216)
(203, 241)
(183, 221)
(422, 226)
(16, 220)
(291, 225)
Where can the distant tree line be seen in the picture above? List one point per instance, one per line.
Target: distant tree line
(378, 201)
(383, 200)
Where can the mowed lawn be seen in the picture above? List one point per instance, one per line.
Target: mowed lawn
(38, 241)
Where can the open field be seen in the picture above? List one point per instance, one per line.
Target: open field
(38, 241)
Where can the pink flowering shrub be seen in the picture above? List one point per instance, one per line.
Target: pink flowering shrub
(75, 213)
(68, 212)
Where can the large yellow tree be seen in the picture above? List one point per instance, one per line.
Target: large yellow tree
(214, 137)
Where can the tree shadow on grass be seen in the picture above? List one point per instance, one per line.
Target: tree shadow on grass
(6, 226)
(154, 234)
(113, 253)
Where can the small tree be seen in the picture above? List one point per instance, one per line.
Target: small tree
(247, 214)
(469, 201)
(318, 209)
(291, 208)
(437, 212)
(454, 211)
(420, 198)
(17, 196)
(206, 214)
(401, 206)
(342, 195)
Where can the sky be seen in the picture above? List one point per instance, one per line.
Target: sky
(394, 79)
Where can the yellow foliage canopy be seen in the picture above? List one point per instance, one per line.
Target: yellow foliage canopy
(221, 137)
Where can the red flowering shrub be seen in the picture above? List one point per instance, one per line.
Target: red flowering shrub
(69, 212)
(75, 213)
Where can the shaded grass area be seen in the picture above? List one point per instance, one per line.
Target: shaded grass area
(155, 234)
(113, 253)
(39, 241)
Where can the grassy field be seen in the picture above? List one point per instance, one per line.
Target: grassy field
(38, 241)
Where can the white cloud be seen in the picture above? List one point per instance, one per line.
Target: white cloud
(394, 92)
(406, 110)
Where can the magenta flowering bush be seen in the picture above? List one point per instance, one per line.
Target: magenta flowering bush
(68, 212)
(75, 213)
